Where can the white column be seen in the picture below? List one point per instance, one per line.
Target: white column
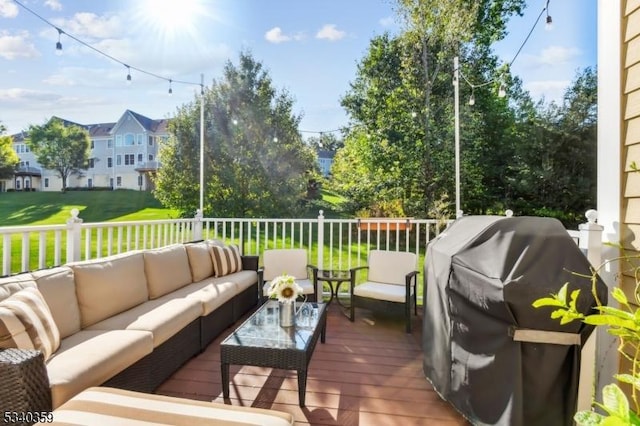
(456, 101)
(320, 244)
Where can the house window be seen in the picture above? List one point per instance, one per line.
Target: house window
(118, 160)
(46, 182)
(150, 140)
(140, 138)
(109, 143)
(26, 163)
(129, 139)
(119, 180)
(140, 158)
(150, 157)
(109, 162)
(92, 144)
(27, 184)
(118, 140)
(139, 180)
(90, 183)
(129, 159)
(26, 148)
(91, 163)
(111, 182)
(17, 184)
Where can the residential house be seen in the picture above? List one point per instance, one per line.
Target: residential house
(123, 155)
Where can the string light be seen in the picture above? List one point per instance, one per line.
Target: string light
(87, 45)
(59, 44)
(472, 99)
(549, 24)
(502, 91)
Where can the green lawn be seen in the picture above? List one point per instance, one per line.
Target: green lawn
(53, 208)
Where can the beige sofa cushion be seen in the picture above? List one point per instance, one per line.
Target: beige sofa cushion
(199, 261)
(163, 317)
(110, 285)
(90, 358)
(210, 292)
(242, 279)
(15, 283)
(58, 287)
(112, 406)
(26, 323)
(167, 269)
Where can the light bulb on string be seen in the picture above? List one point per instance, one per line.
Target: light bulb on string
(502, 91)
(170, 89)
(472, 100)
(128, 75)
(59, 43)
(549, 23)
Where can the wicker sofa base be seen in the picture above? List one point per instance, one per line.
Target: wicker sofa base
(244, 302)
(24, 385)
(212, 325)
(152, 370)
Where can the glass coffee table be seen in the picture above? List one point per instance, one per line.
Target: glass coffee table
(260, 341)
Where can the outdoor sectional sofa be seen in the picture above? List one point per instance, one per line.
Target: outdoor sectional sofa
(126, 321)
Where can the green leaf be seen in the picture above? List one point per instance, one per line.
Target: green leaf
(588, 418)
(574, 299)
(547, 301)
(615, 402)
(610, 320)
(628, 378)
(562, 294)
(619, 295)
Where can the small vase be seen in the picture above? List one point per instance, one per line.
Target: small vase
(287, 314)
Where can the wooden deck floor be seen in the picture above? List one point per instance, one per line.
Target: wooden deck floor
(367, 373)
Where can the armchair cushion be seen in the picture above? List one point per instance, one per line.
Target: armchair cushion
(226, 260)
(390, 267)
(307, 287)
(280, 261)
(26, 323)
(380, 291)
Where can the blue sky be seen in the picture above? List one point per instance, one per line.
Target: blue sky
(311, 49)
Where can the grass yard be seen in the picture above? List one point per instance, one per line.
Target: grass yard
(53, 208)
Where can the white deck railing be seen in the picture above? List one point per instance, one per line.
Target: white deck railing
(331, 243)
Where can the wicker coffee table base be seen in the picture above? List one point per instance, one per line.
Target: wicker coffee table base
(285, 359)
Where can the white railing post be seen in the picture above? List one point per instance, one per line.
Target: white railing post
(74, 233)
(197, 226)
(591, 238)
(320, 248)
(592, 354)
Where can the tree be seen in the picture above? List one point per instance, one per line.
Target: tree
(9, 160)
(256, 163)
(325, 141)
(60, 146)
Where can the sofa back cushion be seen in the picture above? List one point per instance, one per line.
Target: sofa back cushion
(109, 285)
(167, 269)
(26, 323)
(199, 261)
(14, 283)
(58, 288)
(226, 260)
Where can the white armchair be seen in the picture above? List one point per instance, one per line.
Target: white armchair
(291, 262)
(390, 285)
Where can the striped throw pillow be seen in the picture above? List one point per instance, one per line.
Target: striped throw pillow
(226, 260)
(26, 323)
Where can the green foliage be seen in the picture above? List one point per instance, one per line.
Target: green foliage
(9, 159)
(255, 161)
(622, 322)
(60, 147)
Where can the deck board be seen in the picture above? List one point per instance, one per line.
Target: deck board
(368, 372)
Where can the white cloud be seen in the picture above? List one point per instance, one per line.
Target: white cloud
(275, 35)
(8, 9)
(550, 90)
(86, 24)
(554, 55)
(17, 95)
(330, 32)
(16, 46)
(53, 4)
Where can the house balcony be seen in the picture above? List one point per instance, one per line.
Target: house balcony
(147, 166)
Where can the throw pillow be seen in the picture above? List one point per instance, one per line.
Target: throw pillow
(26, 323)
(226, 260)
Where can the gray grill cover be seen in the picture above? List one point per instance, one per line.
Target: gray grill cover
(481, 276)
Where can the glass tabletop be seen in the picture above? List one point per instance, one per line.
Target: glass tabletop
(262, 329)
